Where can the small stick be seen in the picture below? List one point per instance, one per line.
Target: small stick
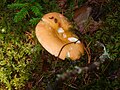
(64, 46)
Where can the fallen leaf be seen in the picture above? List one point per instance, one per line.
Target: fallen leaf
(85, 21)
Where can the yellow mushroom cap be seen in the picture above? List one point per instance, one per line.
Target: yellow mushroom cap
(53, 33)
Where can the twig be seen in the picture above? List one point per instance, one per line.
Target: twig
(87, 49)
(64, 46)
(71, 86)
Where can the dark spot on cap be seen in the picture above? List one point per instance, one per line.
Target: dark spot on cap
(55, 20)
(51, 17)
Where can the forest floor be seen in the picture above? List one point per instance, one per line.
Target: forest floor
(26, 65)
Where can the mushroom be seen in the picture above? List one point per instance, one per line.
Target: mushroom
(53, 32)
